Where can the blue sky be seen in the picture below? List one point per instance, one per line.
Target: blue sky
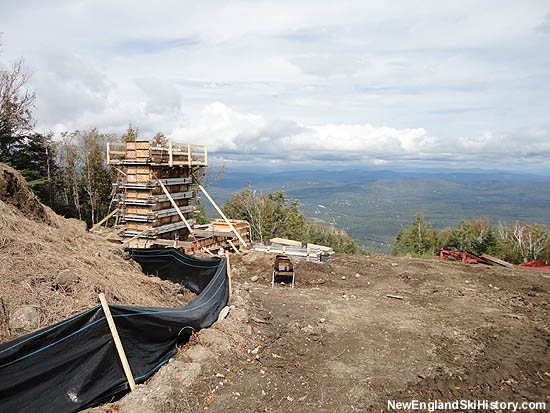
(429, 83)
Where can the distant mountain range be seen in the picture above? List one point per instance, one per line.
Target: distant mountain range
(372, 205)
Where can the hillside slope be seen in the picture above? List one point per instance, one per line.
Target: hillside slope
(52, 268)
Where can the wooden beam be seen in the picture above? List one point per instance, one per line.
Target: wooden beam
(208, 251)
(222, 214)
(135, 236)
(118, 343)
(104, 219)
(228, 272)
(177, 208)
(234, 247)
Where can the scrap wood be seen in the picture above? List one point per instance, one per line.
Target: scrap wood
(497, 260)
(397, 297)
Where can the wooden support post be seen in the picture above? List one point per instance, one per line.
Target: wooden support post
(189, 160)
(222, 214)
(177, 208)
(234, 247)
(118, 343)
(228, 272)
(170, 154)
(104, 219)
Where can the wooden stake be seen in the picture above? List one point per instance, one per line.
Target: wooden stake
(177, 208)
(118, 343)
(104, 219)
(228, 272)
(221, 213)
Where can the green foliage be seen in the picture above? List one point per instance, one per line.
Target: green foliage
(516, 243)
(418, 240)
(132, 134)
(200, 218)
(275, 215)
(34, 157)
(83, 187)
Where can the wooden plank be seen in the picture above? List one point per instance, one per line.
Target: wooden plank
(397, 297)
(284, 241)
(135, 236)
(234, 247)
(118, 343)
(222, 214)
(496, 260)
(169, 242)
(208, 251)
(177, 208)
(104, 219)
(228, 272)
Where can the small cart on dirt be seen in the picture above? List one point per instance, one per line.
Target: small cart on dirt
(282, 269)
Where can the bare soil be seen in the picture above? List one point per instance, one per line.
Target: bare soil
(342, 341)
(54, 265)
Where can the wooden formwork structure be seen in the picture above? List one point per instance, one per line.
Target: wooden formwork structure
(155, 193)
(155, 189)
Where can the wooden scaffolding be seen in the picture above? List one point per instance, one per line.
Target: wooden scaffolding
(154, 190)
(155, 193)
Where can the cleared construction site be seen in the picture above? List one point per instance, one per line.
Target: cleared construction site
(149, 312)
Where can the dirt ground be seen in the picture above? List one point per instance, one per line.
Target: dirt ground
(55, 268)
(359, 331)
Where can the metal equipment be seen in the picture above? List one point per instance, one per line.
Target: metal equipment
(283, 268)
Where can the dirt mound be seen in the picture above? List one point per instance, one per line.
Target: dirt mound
(51, 268)
(14, 191)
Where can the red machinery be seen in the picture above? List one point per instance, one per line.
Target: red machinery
(463, 256)
(537, 264)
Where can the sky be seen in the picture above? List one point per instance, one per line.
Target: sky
(427, 83)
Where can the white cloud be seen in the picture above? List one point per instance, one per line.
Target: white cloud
(232, 135)
(348, 81)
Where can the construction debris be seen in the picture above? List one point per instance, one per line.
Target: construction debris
(463, 256)
(537, 264)
(486, 259)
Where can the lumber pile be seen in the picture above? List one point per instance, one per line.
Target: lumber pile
(306, 251)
